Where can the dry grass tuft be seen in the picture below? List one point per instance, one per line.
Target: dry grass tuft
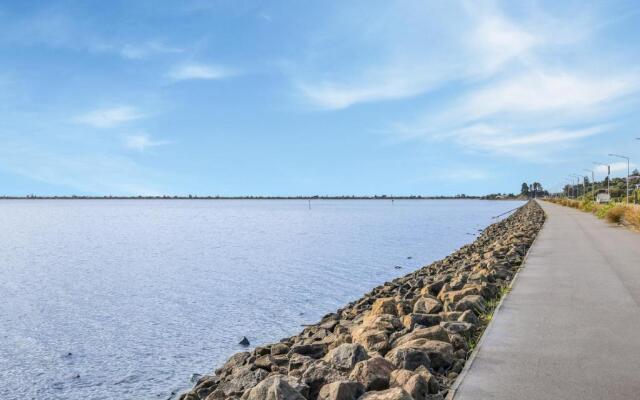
(632, 216)
(615, 213)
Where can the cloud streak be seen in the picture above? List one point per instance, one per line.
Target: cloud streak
(141, 142)
(108, 117)
(199, 71)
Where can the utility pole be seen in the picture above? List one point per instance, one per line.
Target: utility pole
(628, 172)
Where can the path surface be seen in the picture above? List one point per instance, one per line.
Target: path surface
(570, 328)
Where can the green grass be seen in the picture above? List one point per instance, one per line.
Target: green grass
(486, 317)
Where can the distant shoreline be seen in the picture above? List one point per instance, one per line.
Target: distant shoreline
(459, 197)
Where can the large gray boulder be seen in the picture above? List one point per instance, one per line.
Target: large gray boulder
(346, 356)
(243, 378)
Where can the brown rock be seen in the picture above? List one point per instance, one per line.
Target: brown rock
(341, 390)
(277, 387)
(455, 295)
(372, 339)
(414, 384)
(408, 358)
(319, 374)
(279, 349)
(474, 303)
(425, 320)
(432, 333)
(384, 306)
(440, 353)
(316, 350)
(373, 373)
(391, 394)
(427, 305)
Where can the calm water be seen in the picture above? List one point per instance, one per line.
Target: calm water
(128, 299)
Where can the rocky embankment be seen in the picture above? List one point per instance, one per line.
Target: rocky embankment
(405, 340)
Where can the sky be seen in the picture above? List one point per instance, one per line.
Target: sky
(315, 97)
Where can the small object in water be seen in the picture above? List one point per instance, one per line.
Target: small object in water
(244, 341)
(77, 376)
(69, 354)
(409, 258)
(397, 267)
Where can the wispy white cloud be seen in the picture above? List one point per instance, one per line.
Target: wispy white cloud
(416, 52)
(144, 50)
(539, 90)
(108, 117)
(496, 40)
(142, 141)
(199, 71)
(389, 84)
(522, 143)
(521, 115)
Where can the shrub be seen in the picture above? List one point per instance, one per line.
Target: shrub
(587, 205)
(616, 213)
(602, 209)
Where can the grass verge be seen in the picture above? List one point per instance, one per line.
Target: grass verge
(617, 213)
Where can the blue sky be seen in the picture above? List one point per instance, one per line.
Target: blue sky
(320, 97)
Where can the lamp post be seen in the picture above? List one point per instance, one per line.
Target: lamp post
(628, 165)
(584, 187)
(608, 173)
(593, 182)
(570, 188)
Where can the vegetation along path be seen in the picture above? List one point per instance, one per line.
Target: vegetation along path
(570, 328)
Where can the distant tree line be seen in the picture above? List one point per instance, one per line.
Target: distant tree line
(533, 190)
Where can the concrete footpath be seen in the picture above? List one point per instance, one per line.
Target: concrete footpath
(570, 328)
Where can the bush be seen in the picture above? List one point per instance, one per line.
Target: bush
(602, 209)
(587, 205)
(615, 213)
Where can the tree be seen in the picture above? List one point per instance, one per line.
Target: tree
(525, 189)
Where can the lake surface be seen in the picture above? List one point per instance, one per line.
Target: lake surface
(126, 299)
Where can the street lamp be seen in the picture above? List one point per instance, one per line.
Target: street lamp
(608, 173)
(628, 162)
(584, 187)
(570, 188)
(593, 182)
